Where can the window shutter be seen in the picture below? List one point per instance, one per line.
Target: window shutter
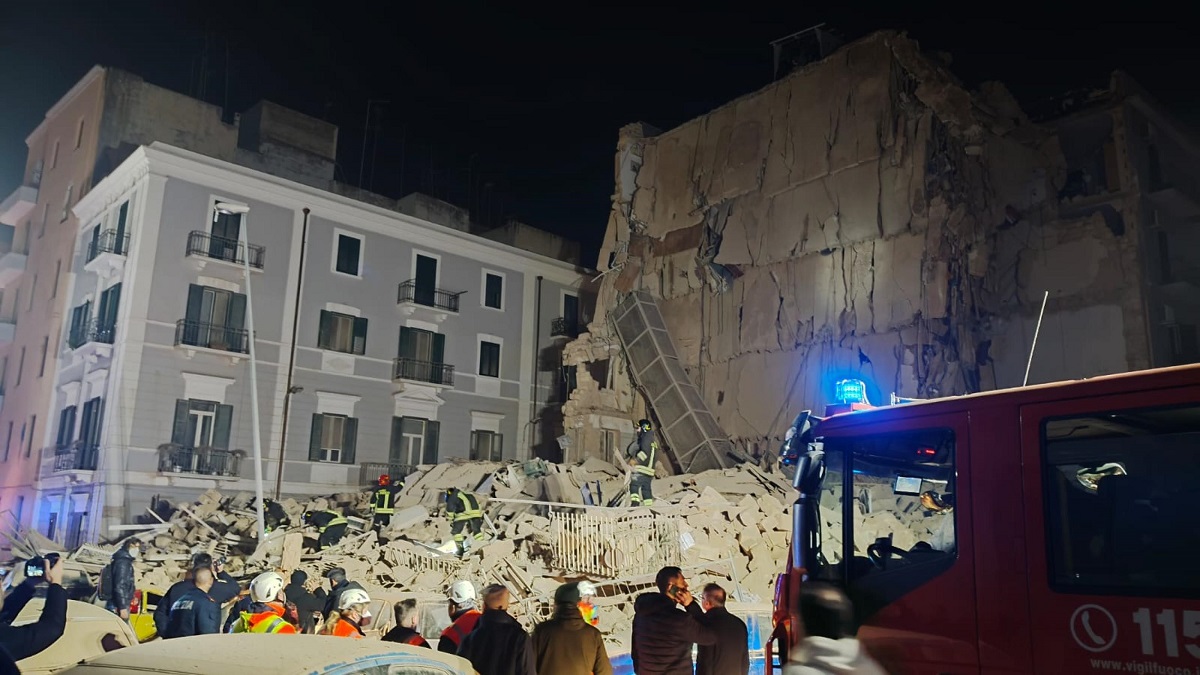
(314, 440)
(474, 446)
(395, 454)
(360, 335)
(237, 311)
(179, 431)
(93, 438)
(439, 348)
(497, 448)
(194, 302)
(324, 329)
(431, 443)
(408, 344)
(221, 427)
(348, 443)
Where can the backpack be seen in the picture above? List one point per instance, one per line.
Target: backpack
(104, 590)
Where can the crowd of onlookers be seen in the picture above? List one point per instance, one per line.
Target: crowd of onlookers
(668, 622)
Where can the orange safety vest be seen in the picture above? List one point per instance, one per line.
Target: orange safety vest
(344, 628)
(416, 641)
(463, 625)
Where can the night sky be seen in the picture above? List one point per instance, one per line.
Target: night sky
(516, 110)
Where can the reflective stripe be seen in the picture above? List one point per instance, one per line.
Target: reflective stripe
(340, 520)
(274, 625)
(415, 641)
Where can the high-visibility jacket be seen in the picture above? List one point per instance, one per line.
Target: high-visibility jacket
(344, 628)
(645, 452)
(460, 627)
(268, 621)
(334, 518)
(463, 506)
(384, 499)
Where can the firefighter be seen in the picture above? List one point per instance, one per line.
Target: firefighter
(331, 526)
(267, 607)
(462, 508)
(274, 516)
(383, 502)
(642, 455)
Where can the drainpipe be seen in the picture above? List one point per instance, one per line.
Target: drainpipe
(537, 348)
(289, 390)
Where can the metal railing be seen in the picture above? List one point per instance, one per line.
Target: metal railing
(77, 456)
(92, 330)
(423, 371)
(212, 336)
(220, 248)
(428, 296)
(108, 242)
(564, 327)
(174, 458)
(369, 472)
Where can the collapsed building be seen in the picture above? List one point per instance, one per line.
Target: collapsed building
(868, 217)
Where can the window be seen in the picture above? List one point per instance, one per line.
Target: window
(342, 333)
(570, 309)
(66, 427)
(493, 290)
(8, 441)
(568, 383)
(487, 446)
(20, 507)
(348, 254)
(425, 275)
(421, 357)
(226, 232)
(42, 226)
(54, 155)
(489, 359)
(45, 349)
(66, 209)
(89, 427)
(215, 318)
(32, 293)
(1120, 487)
(20, 366)
(57, 276)
(333, 438)
(198, 424)
(79, 135)
(901, 530)
(32, 434)
(81, 317)
(414, 441)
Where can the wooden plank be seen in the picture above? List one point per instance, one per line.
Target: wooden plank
(293, 549)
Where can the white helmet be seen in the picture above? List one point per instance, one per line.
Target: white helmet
(586, 589)
(353, 596)
(462, 593)
(266, 587)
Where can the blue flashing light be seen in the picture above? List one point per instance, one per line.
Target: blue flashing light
(851, 391)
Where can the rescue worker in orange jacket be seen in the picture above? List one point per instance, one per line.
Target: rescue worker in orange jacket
(464, 614)
(352, 615)
(267, 608)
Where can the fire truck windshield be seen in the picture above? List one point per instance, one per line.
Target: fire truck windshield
(897, 530)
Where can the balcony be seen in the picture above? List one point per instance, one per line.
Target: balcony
(202, 461)
(18, 205)
(106, 253)
(75, 458)
(213, 336)
(427, 372)
(565, 328)
(90, 331)
(203, 248)
(12, 266)
(441, 302)
(369, 472)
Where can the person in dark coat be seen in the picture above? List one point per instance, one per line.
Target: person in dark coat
(730, 655)
(224, 589)
(662, 635)
(306, 602)
(566, 644)
(407, 619)
(21, 642)
(195, 612)
(498, 645)
(123, 584)
(337, 585)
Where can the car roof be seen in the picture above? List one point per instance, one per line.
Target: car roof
(255, 654)
(90, 630)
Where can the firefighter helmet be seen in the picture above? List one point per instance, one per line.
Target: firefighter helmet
(266, 587)
(644, 425)
(385, 480)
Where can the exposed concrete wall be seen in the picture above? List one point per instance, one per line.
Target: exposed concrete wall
(434, 210)
(268, 122)
(863, 217)
(530, 238)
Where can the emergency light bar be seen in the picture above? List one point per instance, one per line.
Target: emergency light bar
(851, 391)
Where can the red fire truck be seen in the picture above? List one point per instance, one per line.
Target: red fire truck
(1046, 529)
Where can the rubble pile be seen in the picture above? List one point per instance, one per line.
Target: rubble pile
(545, 524)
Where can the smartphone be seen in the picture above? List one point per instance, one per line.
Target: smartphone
(672, 591)
(35, 568)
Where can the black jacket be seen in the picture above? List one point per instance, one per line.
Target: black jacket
(123, 586)
(195, 613)
(402, 635)
(731, 653)
(21, 642)
(331, 601)
(306, 603)
(498, 646)
(663, 636)
(224, 589)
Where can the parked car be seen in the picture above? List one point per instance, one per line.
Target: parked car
(91, 631)
(255, 654)
(141, 613)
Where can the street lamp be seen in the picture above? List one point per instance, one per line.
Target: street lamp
(241, 210)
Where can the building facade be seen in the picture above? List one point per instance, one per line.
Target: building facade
(382, 341)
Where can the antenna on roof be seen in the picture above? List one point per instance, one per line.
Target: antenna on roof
(1036, 330)
(803, 47)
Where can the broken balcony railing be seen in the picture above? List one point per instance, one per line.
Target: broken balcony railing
(423, 371)
(212, 336)
(205, 461)
(221, 248)
(109, 241)
(422, 294)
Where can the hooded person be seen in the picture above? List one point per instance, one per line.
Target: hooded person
(352, 615)
(307, 603)
(498, 645)
(829, 646)
(568, 644)
(267, 608)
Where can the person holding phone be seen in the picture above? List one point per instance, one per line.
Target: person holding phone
(662, 634)
(21, 642)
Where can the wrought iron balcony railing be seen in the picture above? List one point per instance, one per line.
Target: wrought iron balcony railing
(369, 472)
(212, 336)
(220, 248)
(92, 330)
(423, 371)
(564, 327)
(428, 296)
(174, 458)
(108, 242)
(77, 456)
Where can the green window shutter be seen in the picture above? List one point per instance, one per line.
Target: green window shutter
(324, 330)
(195, 301)
(222, 426)
(237, 311)
(430, 455)
(179, 430)
(314, 440)
(350, 440)
(360, 335)
(474, 454)
(439, 348)
(397, 446)
(408, 344)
